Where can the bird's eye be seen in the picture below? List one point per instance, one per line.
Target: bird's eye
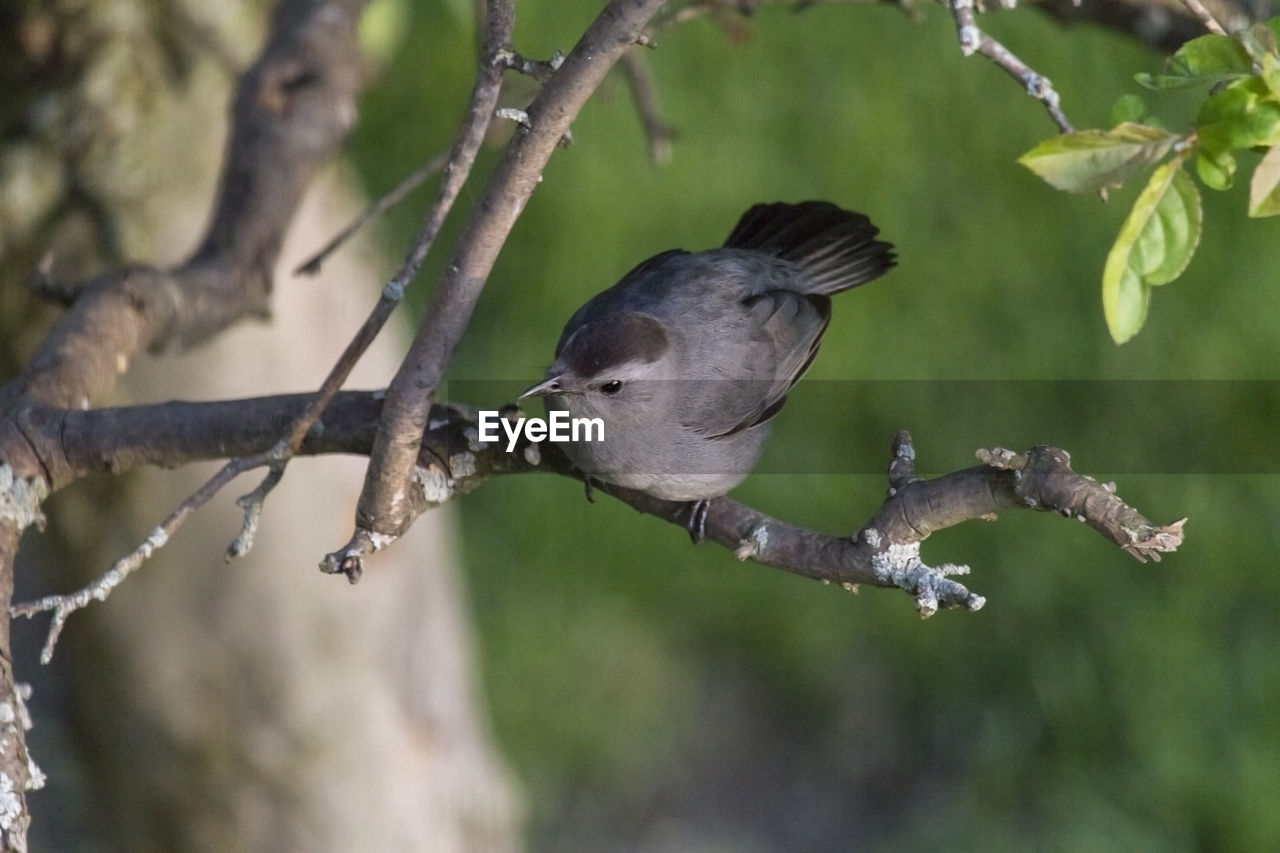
(611, 388)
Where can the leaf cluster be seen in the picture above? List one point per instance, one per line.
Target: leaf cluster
(1240, 112)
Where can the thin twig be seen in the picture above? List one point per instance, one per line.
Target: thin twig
(252, 504)
(645, 94)
(974, 40)
(520, 117)
(64, 605)
(539, 69)
(312, 265)
(514, 114)
(1206, 17)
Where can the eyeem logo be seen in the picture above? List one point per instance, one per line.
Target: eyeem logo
(558, 427)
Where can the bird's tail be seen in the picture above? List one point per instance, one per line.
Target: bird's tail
(836, 247)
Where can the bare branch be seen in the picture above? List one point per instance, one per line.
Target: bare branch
(451, 461)
(63, 606)
(1205, 17)
(885, 551)
(539, 69)
(292, 109)
(252, 504)
(974, 40)
(17, 769)
(312, 265)
(383, 510)
(645, 94)
(1161, 24)
(1043, 479)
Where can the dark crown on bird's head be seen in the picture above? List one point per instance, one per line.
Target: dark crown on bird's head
(612, 341)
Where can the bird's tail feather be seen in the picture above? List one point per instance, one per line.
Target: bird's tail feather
(836, 247)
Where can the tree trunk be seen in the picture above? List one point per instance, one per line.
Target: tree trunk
(257, 705)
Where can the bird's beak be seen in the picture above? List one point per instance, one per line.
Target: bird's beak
(547, 386)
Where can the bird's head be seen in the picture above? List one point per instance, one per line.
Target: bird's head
(612, 368)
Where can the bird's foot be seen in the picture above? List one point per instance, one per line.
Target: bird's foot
(588, 489)
(697, 523)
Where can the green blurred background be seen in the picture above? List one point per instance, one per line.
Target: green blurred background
(655, 695)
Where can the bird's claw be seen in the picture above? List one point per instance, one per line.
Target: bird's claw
(697, 524)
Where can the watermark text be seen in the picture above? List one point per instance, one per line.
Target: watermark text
(558, 426)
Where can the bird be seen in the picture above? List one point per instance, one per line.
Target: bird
(688, 358)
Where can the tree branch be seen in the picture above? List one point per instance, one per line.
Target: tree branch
(645, 94)
(451, 460)
(63, 606)
(1204, 16)
(974, 40)
(18, 773)
(312, 265)
(1161, 24)
(383, 512)
(292, 109)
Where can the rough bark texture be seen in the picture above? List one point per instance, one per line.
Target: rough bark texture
(17, 777)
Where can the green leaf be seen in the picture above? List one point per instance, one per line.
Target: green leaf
(1127, 108)
(1170, 238)
(1125, 301)
(1205, 60)
(1155, 245)
(1216, 168)
(1242, 115)
(1264, 187)
(1210, 54)
(1094, 159)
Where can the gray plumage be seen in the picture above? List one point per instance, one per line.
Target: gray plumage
(689, 356)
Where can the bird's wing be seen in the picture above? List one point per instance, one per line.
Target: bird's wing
(774, 342)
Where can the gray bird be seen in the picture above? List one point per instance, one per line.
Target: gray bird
(687, 359)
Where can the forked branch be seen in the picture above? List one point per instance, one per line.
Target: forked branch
(451, 460)
(384, 511)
